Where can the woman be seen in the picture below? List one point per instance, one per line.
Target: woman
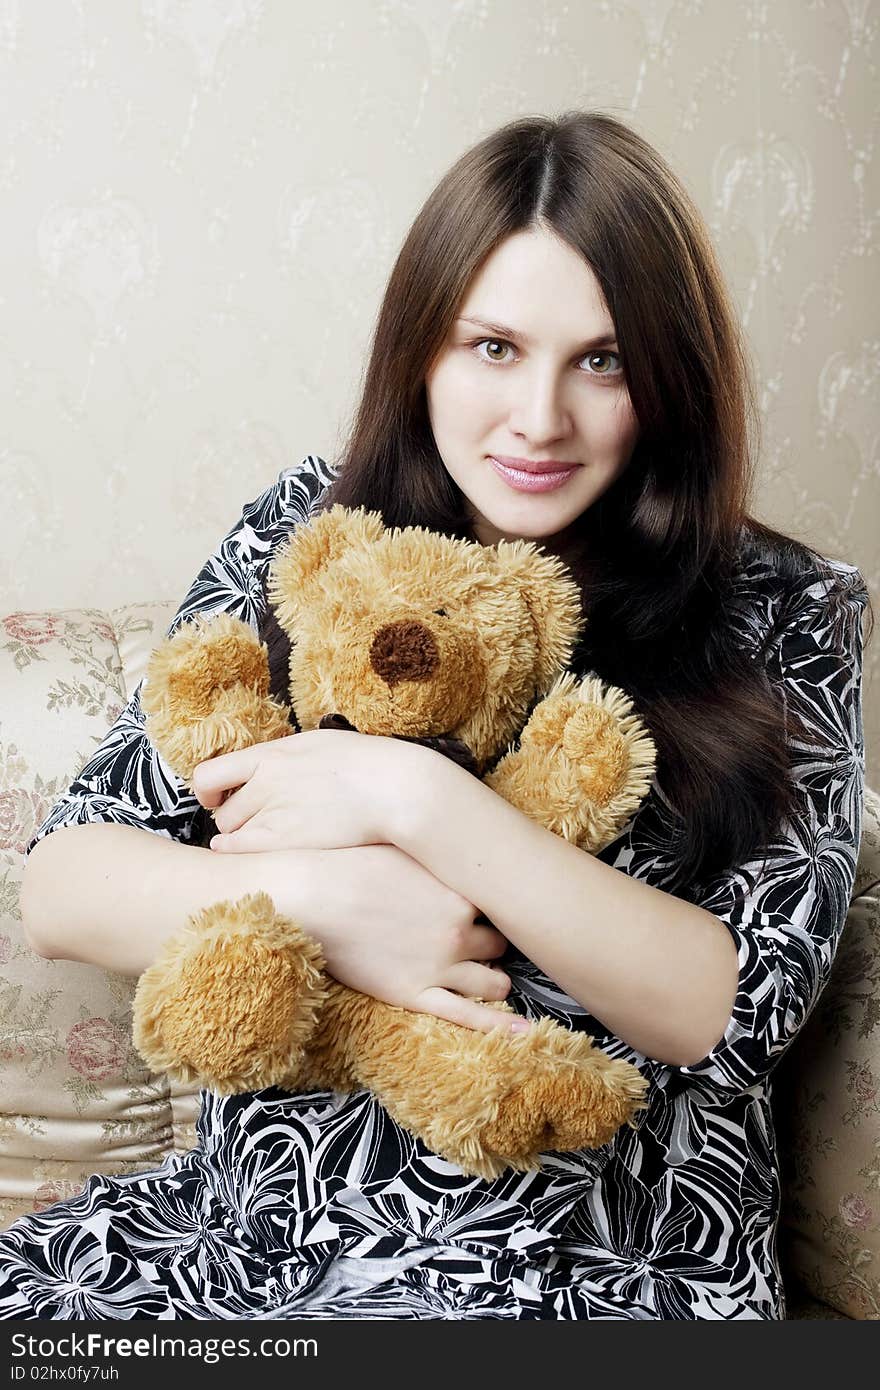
(555, 359)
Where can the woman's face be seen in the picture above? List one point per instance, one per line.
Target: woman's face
(530, 376)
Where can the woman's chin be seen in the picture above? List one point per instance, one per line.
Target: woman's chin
(523, 525)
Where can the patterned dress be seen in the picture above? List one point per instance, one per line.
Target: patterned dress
(319, 1206)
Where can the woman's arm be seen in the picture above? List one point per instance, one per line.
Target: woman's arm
(721, 989)
(657, 971)
(110, 895)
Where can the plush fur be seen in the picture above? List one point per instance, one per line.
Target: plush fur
(401, 632)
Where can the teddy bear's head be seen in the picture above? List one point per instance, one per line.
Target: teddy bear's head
(403, 631)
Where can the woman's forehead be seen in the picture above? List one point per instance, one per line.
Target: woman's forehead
(531, 281)
(534, 250)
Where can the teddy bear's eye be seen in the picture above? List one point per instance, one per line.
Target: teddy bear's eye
(441, 612)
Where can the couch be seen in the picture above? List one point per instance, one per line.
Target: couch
(77, 1099)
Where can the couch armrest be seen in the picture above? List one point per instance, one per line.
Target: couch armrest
(76, 1098)
(827, 1106)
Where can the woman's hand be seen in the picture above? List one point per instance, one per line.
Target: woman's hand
(325, 789)
(390, 929)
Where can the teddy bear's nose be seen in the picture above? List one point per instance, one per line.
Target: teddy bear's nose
(404, 651)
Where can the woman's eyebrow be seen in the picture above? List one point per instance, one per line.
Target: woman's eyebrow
(606, 339)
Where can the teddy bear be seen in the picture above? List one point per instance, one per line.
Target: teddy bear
(408, 633)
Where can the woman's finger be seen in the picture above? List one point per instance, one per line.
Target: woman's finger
(252, 838)
(484, 943)
(213, 778)
(477, 981)
(482, 1018)
(237, 809)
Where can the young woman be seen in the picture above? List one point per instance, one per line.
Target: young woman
(556, 359)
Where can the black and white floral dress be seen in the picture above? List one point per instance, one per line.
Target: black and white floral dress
(319, 1206)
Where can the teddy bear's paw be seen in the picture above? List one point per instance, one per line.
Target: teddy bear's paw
(564, 1094)
(584, 763)
(587, 745)
(233, 1000)
(206, 693)
(492, 1101)
(544, 1115)
(207, 655)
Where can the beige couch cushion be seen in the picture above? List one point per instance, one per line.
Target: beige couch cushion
(828, 1111)
(76, 1099)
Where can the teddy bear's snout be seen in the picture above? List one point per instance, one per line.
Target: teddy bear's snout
(404, 651)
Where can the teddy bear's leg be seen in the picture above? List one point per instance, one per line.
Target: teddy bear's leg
(233, 998)
(484, 1101)
(207, 693)
(583, 765)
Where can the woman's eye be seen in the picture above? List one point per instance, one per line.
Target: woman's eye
(602, 356)
(492, 343)
(496, 348)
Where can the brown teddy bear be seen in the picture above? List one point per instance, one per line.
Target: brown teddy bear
(475, 637)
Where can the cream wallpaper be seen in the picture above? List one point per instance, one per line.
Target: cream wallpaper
(201, 201)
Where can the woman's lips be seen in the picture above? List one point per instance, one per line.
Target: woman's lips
(546, 481)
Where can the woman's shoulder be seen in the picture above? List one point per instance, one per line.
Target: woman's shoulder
(308, 478)
(233, 575)
(293, 496)
(778, 582)
(768, 558)
(267, 519)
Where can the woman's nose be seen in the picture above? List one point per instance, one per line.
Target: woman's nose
(539, 412)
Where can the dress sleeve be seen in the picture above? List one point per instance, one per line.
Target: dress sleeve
(786, 909)
(125, 781)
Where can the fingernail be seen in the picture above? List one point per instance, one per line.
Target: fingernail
(520, 1025)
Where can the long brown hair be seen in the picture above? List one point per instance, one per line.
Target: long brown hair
(660, 548)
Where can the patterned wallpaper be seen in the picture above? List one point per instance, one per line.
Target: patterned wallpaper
(202, 199)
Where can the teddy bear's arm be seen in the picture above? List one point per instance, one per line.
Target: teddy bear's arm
(207, 692)
(583, 765)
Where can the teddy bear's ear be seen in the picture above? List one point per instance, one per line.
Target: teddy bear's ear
(552, 597)
(310, 549)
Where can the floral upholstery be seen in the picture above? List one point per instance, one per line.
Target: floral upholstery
(828, 1114)
(76, 1098)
